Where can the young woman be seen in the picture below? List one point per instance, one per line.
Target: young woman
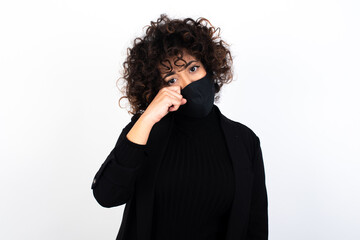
(183, 169)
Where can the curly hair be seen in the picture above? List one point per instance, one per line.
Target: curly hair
(166, 38)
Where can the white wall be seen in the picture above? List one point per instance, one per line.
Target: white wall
(296, 85)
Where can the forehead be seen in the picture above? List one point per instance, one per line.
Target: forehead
(175, 63)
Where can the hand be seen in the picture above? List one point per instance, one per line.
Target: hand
(168, 99)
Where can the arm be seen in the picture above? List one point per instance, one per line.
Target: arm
(258, 221)
(113, 184)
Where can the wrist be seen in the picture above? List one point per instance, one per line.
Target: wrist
(146, 120)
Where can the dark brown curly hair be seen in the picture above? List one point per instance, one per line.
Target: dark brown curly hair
(166, 38)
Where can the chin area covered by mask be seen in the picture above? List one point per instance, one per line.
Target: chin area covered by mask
(200, 97)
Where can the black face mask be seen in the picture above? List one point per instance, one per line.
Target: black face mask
(200, 97)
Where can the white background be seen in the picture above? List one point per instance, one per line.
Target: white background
(296, 85)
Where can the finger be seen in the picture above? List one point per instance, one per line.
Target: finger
(173, 88)
(174, 102)
(176, 106)
(175, 92)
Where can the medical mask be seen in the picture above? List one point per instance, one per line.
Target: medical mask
(200, 97)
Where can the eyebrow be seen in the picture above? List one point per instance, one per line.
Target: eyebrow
(172, 73)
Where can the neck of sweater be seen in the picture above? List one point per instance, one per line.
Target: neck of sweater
(195, 125)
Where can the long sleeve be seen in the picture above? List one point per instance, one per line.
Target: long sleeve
(113, 184)
(258, 222)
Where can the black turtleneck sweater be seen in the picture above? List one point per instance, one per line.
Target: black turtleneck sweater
(195, 184)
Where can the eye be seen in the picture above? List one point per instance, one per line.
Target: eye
(196, 67)
(169, 82)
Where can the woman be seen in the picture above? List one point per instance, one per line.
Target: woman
(182, 168)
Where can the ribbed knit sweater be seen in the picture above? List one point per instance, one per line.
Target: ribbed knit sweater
(195, 183)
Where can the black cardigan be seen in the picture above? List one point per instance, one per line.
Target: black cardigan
(128, 177)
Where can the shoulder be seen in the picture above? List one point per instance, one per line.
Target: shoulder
(244, 133)
(240, 127)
